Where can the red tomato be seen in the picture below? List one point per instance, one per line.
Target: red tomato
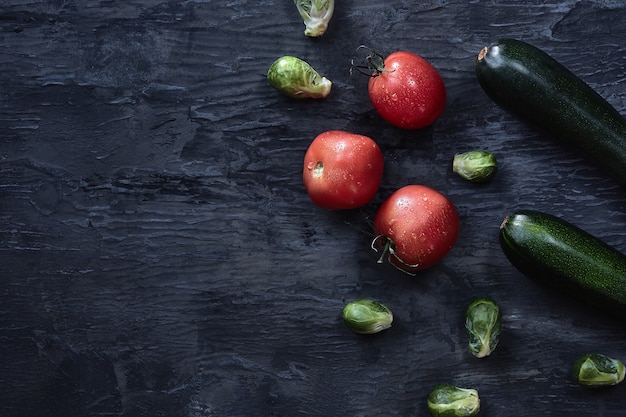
(342, 170)
(408, 92)
(416, 226)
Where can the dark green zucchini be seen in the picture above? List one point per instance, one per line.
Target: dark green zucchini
(557, 253)
(530, 84)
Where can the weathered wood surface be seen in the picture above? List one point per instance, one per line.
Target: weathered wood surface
(160, 256)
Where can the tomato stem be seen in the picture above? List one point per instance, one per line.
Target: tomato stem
(386, 247)
(375, 63)
(388, 252)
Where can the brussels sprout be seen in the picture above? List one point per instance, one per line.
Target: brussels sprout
(446, 400)
(367, 316)
(598, 370)
(483, 322)
(296, 78)
(475, 166)
(316, 14)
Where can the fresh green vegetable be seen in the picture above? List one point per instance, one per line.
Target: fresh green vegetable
(367, 316)
(296, 78)
(483, 321)
(316, 14)
(598, 370)
(530, 84)
(446, 400)
(475, 166)
(557, 253)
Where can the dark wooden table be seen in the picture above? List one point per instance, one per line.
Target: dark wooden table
(160, 256)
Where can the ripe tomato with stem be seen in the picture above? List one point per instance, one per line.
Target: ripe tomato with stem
(415, 228)
(404, 88)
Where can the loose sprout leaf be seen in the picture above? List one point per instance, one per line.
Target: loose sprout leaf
(316, 15)
(483, 321)
(367, 316)
(296, 78)
(447, 400)
(475, 166)
(597, 370)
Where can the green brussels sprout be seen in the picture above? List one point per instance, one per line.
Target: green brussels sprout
(475, 166)
(296, 78)
(483, 321)
(367, 316)
(598, 370)
(446, 400)
(315, 14)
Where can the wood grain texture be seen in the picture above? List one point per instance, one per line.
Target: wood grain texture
(160, 256)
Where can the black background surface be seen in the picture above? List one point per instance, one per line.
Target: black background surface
(160, 256)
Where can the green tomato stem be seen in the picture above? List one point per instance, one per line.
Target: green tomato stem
(388, 252)
(375, 63)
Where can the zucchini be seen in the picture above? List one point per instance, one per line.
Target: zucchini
(557, 253)
(531, 85)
